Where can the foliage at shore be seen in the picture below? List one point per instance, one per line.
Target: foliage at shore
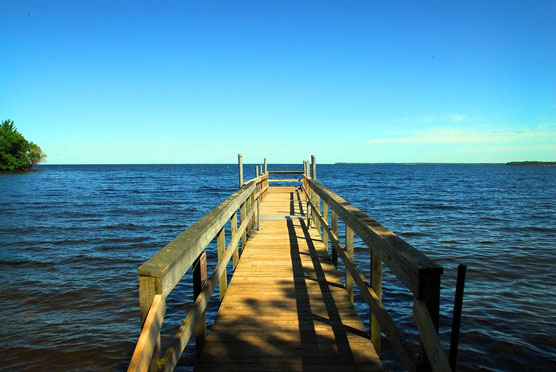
(16, 153)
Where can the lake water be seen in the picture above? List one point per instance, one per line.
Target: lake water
(72, 237)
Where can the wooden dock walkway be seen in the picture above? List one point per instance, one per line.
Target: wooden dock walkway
(286, 308)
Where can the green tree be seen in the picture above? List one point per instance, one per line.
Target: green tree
(16, 153)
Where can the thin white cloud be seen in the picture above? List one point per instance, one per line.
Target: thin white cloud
(447, 118)
(456, 118)
(539, 135)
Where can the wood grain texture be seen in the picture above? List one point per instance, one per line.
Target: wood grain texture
(396, 337)
(376, 285)
(409, 265)
(286, 307)
(149, 336)
(172, 262)
(427, 330)
(185, 331)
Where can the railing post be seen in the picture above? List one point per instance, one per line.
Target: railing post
(243, 215)
(456, 320)
(247, 213)
(235, 256)
(257, 170)
(313, 162)
(265, 166)
(148, 288)
(251, 209)
(313, 217)
(309, 210)
(335, 231)
(325, 217)
(376, 285)
(316, 201)
(199, 280)
(240, 169)
(221, 246)
(349, 253)
(258, 215)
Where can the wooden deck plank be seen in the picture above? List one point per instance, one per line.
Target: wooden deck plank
(286, 308)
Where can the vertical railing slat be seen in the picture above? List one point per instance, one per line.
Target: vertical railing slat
(234, 233)
(324, 232)
(243, 216)
(335, 231)
(349, 253)
(199, 280)
(221, 246)
(376, 285)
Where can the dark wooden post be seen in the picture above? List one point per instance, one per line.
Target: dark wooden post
(458, 303)
(429, 291)
(199, 280)
(313, 162)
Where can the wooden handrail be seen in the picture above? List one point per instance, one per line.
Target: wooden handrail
(285, 172)
(147, 340)
(160, 274)
(395, 336)
(419, 274)
(286, 180)
(188, 326)
(408, 264)
(170, 263)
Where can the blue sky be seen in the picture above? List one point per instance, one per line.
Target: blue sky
(201, 81)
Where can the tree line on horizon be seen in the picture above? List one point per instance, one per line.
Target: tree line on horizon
(16, 153)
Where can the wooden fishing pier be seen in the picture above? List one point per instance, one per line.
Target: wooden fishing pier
(287, 307)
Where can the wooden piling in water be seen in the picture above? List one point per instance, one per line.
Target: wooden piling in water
(240, 169)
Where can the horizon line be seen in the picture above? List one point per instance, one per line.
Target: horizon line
(301, 164)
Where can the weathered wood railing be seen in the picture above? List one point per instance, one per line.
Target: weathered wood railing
(417, 272)
(285, 179)
(160, 274)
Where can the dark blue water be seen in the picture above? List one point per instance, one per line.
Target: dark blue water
(72, 237)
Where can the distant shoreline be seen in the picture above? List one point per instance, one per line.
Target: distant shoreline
(531, 163)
